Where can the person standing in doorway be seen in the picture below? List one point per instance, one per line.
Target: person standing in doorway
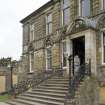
(76, 64)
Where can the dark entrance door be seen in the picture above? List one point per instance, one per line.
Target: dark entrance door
(79, 50)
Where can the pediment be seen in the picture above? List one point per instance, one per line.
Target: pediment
(80, 24)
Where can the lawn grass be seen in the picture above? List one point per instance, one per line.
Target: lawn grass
(4, 98)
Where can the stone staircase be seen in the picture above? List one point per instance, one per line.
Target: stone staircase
(50, 92)
(54, 89)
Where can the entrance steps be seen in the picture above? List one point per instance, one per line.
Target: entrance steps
(50, 92)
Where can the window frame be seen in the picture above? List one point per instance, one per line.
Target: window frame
(48, 24)
(80, 12)
(32, 32)
(64, 7)
(64, 52)
(48, 52)
(102, 4)
(31, 62)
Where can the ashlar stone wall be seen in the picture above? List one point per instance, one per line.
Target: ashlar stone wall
(39, 60)
(56, 55)
(88, 92)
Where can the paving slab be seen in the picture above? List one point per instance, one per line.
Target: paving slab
(2, 103)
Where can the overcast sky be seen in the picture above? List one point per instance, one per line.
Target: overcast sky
(11, 12)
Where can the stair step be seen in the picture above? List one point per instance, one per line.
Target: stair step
(48, 94)
(58, 79)
(15, 103)
(56, 85)
(57, 82)
(53, 87)
(45, 101)
(61, 77)
(27, 102)
(44, 97)
(50, 90)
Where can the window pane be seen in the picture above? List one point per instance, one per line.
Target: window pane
(66, 3)
(104, 54)
(31, 62)
(85, 7)
(50, 28)
(32, 26)
(66, 16)
(49, 59)
(46, 28)
(103, 4)
(64, 46)
(103, 47)
(49, 24)
(32, 36)
(64, 61)
(104, 38)
(64, 55)
(49, 18)
(49, 52)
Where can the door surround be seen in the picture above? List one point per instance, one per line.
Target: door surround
(90, 47)
(78, 50)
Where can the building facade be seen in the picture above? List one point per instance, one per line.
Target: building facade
(63, 28)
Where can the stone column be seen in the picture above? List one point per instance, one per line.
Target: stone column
(90, 49)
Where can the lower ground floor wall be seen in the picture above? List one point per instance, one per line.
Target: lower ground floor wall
(101, 79)
(5, 82)
(39, 60)
(102, 95)
(56, 56)
(2, 84)
(88, 92)
(101, 73)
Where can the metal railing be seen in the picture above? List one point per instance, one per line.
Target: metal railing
(34, 81)
(75, 80)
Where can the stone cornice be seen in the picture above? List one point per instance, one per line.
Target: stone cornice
(45, 6)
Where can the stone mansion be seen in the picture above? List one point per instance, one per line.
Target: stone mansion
(63, 37)
(63, 28)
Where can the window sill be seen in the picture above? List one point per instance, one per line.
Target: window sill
(49, 34)
(31, 41)
(31, 72)
(65, 67)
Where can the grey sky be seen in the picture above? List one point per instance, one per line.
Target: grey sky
(11, 12)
